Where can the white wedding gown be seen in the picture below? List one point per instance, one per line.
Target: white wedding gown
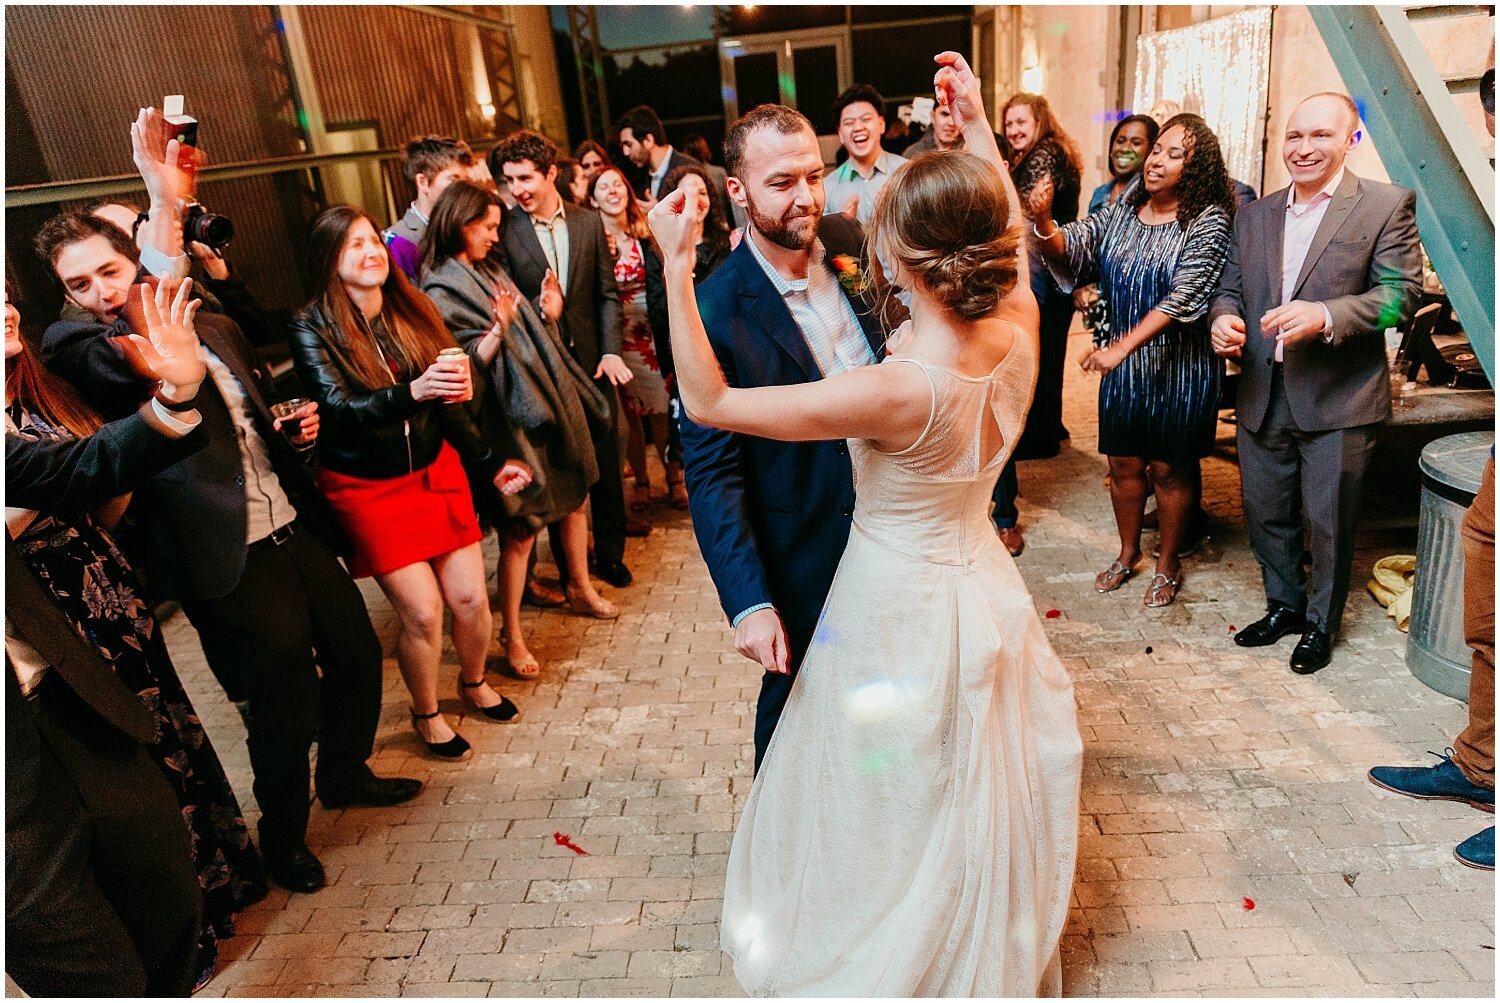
(914, 826)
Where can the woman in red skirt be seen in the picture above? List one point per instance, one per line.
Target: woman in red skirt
(396, 433)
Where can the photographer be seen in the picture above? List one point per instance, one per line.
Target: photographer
(238, 533)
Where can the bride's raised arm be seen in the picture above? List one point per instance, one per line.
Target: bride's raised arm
(958, 87)
(889, 405)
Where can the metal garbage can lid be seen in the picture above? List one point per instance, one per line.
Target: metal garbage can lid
(1454, 464)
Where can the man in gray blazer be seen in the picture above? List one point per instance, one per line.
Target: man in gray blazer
(1316, 273)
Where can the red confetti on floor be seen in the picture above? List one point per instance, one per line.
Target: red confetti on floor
(1053, 614)
(1249, 903)
(1231, 628)
(562, 839)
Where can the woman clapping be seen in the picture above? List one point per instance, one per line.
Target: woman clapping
(532, 390)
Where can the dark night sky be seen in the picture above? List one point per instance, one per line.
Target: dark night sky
(625, 25)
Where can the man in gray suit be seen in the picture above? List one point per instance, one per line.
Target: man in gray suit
(1316, 273)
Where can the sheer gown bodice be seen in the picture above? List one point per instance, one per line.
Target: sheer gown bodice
(913, 828)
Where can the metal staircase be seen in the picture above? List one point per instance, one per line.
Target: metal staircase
(1426, 146)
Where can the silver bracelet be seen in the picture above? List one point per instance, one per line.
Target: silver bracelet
(1046, 236)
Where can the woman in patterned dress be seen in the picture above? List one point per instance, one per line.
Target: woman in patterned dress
(1157, 253)
(74, 557)
(645, 396)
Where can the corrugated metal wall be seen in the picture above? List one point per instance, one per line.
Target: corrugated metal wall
(85, 71)
(78, 75)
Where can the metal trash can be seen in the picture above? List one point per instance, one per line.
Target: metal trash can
(1451, 469)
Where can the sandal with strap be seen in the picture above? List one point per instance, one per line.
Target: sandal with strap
(679, 494)
(526, 668)
(597, 607)
(1161, 591)
(1112, 577)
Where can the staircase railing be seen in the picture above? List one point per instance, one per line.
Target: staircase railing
(1426, 146)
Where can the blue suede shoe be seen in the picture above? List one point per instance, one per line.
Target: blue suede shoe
(1478, 851)
(1443, 782)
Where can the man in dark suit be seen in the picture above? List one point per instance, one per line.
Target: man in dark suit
(1316, 273)
(101, 895)
(772, 518)
(240, 535)
(547, 241)
(644, 140)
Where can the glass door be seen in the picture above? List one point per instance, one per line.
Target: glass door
(803, 69)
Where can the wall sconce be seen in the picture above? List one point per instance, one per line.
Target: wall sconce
(487, 110)
(1031, 80)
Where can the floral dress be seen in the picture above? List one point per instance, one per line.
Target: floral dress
(647, 393)
(94, 587)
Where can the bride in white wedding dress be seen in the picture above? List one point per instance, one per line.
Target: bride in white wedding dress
(913, 828)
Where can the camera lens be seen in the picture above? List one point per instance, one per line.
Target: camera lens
(207, 228)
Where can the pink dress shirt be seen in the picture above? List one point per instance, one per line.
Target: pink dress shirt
(1301, 227)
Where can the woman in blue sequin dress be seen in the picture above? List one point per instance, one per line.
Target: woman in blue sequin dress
(1157, 253)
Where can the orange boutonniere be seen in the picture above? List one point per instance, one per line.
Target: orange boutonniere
(847, 270)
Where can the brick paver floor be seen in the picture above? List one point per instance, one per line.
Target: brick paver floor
(1213, 777)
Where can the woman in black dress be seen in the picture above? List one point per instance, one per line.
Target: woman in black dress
(74, 557)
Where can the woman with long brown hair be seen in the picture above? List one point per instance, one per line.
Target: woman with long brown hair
(533, 393)
(391, 384)
(645, 397)
(591, 156)
(1036, 147)
(73, 556)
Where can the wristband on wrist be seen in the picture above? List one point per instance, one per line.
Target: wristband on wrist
(171, 405)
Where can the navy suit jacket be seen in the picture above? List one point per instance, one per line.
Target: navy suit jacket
(772, 518)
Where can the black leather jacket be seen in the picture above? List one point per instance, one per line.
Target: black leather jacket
(382, 433)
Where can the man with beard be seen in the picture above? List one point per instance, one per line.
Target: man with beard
(772, 518)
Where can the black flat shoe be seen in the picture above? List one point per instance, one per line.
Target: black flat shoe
(296, 869)
(502, 711)
(375, 792)
(614, 572)
(1314, 651)
(1278, 623)
(454, 748)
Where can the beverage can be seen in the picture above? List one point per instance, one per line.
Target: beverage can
(448, 355)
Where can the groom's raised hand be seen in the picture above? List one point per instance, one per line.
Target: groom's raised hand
(761, 637)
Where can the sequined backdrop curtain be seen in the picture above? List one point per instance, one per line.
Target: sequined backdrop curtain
(1219, 69)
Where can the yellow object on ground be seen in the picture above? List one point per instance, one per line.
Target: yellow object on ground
(1392, 586)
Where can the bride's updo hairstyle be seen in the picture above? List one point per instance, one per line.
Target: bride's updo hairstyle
(944, 218)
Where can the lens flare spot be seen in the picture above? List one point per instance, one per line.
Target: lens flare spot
(875, 761)
(749, 930)
(871, 702)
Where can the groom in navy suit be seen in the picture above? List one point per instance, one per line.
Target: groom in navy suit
(790, 305)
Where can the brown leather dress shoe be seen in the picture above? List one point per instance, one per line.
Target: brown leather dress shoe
(1013, 540)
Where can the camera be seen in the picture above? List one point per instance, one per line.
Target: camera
(206, 227)
(197, 222)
